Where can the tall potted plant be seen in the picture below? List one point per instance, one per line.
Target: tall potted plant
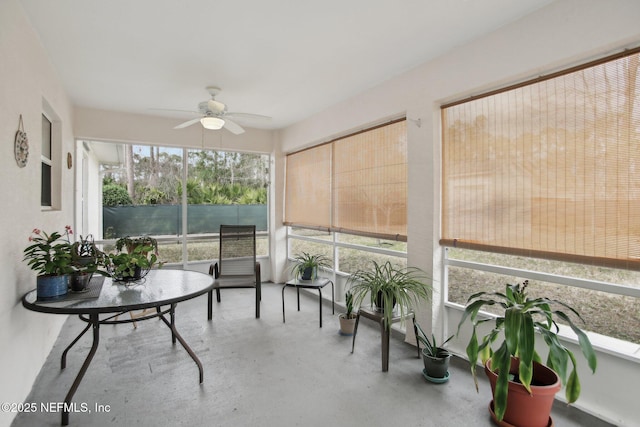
(305, 265)
(388, 286)
(515, 366)
(50, 256)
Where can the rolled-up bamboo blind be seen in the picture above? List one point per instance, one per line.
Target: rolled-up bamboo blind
(363, 184)
(548, 168)
(308, 187)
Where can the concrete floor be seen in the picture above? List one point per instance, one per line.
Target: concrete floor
(258, 372)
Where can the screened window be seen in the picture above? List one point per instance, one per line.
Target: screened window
(548, 168)
(179, 196)
(356, 184)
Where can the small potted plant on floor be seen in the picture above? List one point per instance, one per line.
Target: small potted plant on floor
(517, 376)
(348, 319)
(305, 265)
(435, 357)
(387, 285)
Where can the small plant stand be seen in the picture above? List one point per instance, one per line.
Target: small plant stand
(385, 333)
(317, 284)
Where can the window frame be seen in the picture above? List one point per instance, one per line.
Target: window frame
(46, 163)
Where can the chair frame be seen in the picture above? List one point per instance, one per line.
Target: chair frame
(234, 281)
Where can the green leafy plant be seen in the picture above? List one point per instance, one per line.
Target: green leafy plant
(349, 305)
(388, 285)
(141, 254)
(431, 347)
(86, 257)
(523, 317)
(130, 243)
(50, 254)
(305, 260)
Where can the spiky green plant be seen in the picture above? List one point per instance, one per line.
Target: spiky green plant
(305, 260)
(404, 287)
(431, 347)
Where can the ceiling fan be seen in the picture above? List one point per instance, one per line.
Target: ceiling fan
(214, 115)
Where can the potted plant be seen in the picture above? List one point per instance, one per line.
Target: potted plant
(135, 262)
(131, 243)
(388, 285)
(50, 256)
(86, 260)
(434, 357)
(348, 319)
(515, 370)
(306, 265)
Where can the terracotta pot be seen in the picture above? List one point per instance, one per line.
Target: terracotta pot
(346, 325)
(524, 409)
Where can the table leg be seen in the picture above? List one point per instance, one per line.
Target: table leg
(384, 332)
(172, 316)
(210, 304)
(320, 308)
(298, 292)
(415, 330)
(283, 302)
(175, 335)
(95, 323)
(355, 331)
(333, 300)
(63, 359)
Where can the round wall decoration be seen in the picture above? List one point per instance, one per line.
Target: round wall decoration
(21, 145)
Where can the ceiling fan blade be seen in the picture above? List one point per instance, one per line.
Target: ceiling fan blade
(187, 123)
(216, 106)
(177, 111)
(248, 116)
(233, 127)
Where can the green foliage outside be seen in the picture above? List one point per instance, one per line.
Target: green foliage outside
(154, 175)
(115, 195)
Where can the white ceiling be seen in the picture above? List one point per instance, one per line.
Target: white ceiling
(282, 58)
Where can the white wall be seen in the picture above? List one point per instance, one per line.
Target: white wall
(558, 36)
(26, 81)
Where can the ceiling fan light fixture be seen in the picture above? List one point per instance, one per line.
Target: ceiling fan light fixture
(213, 123)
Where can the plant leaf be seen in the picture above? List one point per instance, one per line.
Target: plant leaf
(500, 363)
(583, 339)
(526, 351)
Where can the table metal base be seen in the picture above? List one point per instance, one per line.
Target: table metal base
(94, 322)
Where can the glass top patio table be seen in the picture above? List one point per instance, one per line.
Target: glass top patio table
(161, 290)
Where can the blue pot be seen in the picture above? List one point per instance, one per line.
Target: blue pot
(50, 287)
